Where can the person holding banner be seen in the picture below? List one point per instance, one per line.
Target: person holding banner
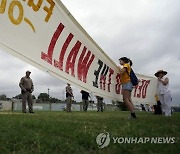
(157, 107)
(164, 92)
(69, 96)
(99, 103)
(27, 87)
(85, 99)
(127, 86)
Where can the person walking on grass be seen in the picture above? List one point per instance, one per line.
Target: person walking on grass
(69, 96)
(164, 92)
(27, 87)
(127, 86)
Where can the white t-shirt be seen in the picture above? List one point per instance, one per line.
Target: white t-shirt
(163, 89)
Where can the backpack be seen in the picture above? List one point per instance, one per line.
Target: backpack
(133, 77)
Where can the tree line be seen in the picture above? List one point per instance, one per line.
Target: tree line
(42, 98)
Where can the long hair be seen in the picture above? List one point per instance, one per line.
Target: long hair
(126, 60)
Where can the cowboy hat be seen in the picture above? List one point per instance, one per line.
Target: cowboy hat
(160, 71)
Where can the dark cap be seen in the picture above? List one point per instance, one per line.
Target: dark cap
(28, 72)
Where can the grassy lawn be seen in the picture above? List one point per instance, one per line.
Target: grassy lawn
(76, 132)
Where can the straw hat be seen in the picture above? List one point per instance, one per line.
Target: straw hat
(160, 71)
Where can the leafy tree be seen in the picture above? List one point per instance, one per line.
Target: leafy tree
(3, 97)
(54, 100)
(20, 96)
(44, 97)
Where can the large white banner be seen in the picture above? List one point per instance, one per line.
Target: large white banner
(44, 34)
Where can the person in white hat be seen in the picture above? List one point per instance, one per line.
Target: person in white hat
(164, 91)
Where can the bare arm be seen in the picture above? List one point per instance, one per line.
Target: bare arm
(165, 82)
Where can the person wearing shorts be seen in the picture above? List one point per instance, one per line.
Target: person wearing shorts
(126, 84)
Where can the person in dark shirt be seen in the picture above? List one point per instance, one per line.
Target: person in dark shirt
(85, 99)
(99, 103)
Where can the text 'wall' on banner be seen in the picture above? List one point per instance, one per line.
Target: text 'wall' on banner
(45, 34)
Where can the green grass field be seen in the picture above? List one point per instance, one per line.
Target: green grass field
(76, 132)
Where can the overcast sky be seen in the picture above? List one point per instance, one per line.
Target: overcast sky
(147, 31)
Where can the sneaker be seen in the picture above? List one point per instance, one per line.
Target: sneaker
(133, 115)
